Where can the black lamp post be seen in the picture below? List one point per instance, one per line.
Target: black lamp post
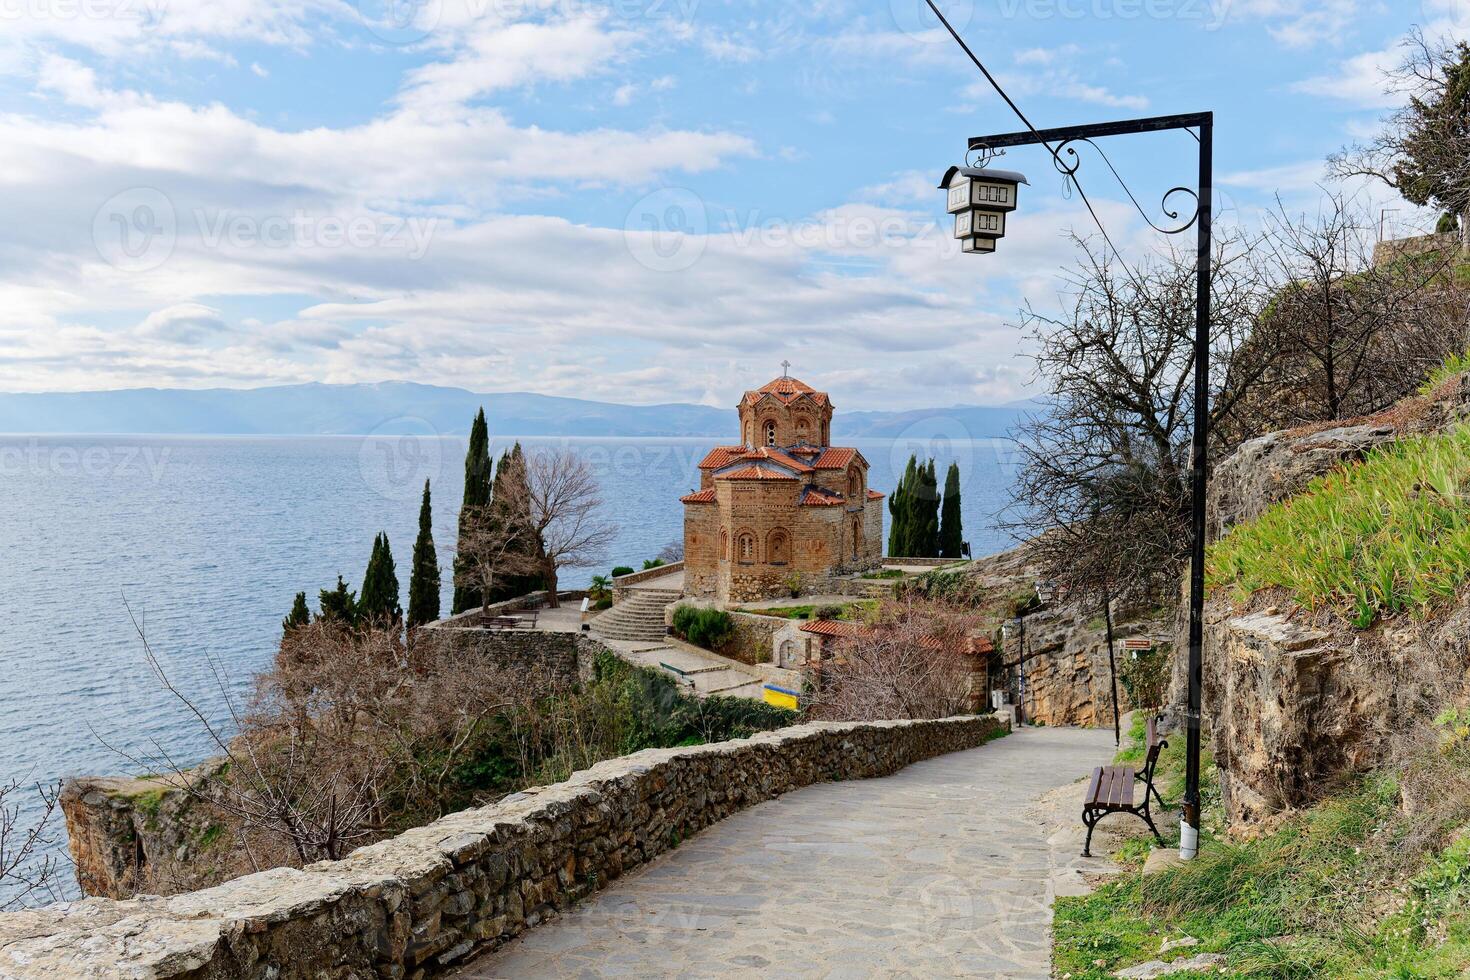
(977, 198)
(966, 190)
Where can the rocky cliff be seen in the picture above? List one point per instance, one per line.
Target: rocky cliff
(145, 835)
(1061, 676)
(1294, 700)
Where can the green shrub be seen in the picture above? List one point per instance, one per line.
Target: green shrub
(622, 570)
(603, 603)
(708, 628)
(794, 584)
(830, 612)
(649, 563)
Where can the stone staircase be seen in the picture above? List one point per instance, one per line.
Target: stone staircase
(638, 618)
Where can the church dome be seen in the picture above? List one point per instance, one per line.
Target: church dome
(785, 412)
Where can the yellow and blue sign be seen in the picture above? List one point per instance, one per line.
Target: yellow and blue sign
(780, 697)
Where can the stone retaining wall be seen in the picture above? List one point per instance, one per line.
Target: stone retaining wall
(552, 660)
(429, 899)
(622, 583)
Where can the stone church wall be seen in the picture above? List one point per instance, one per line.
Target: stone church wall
(428, 900)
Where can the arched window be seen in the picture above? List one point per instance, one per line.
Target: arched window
(857, 537)
(745, 547)
(778, 547)
(803, 430)
(770, 432)
(788, 653)
(724, 545)
(854, 484)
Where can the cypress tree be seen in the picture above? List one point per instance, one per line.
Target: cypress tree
(379, 601)
(299, 615)
(423, 579)
(901, 510)
(339, 603)
(926, 513)
(476, 495)
(951, 527)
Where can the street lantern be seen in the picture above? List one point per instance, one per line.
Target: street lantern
(980, 199)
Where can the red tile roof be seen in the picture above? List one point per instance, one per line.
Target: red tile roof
(756, 473)
(818, 497)
(787, 390)
(702, 497)
(835, 627)
(781, 456)
(874, 495)
(981, 644)
(721, 456)
(834, 458)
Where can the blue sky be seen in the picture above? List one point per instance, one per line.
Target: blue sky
(635, 200)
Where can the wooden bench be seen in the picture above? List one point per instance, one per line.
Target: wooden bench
(524, 621)
(1111, 789)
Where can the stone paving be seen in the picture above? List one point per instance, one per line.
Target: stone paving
(945, 869)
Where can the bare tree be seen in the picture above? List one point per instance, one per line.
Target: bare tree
(1104, 488)
(672, 552)
(564, 507)
(914, 662)
(498, 541)
(1423, 149)
(1345, 337)
(29, 873)
(351, 735)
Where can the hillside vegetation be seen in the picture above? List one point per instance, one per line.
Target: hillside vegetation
(1358, 887)
(1386, 536)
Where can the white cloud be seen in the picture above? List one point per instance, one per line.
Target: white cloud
(496, 56)
(183, 323)
(1360, 81)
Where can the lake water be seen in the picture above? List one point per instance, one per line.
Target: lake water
(204, 541)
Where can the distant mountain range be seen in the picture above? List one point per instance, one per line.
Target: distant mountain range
(398, 407)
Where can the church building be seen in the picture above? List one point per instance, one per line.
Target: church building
(784, 503)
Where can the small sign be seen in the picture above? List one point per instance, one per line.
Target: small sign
(780, 697)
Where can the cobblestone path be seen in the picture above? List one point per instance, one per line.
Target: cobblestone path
(941, 870)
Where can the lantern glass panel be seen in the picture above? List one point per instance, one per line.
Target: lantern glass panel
(989, 223)
(959, 195)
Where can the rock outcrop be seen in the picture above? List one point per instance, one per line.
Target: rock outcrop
(1293, 700)
(1063, 677)
(129, 835)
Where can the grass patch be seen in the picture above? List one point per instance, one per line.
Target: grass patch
(1455, 364)
(211, 835)
(853, 611)
(1339, 891)
(887, 573)
(1386, 536)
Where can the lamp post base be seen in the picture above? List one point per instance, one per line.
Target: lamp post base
(1188, 840)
